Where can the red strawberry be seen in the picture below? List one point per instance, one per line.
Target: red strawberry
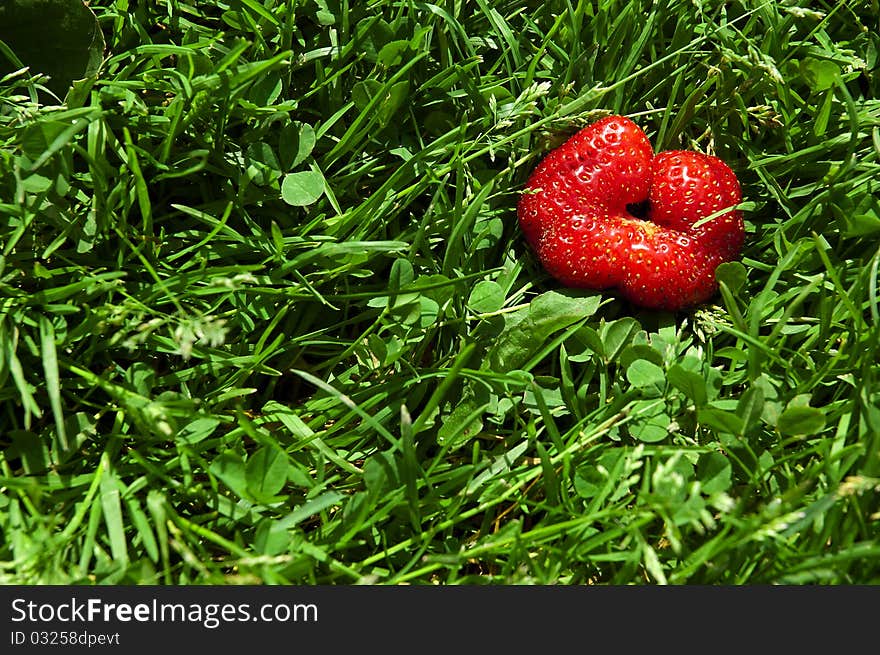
(575, 215)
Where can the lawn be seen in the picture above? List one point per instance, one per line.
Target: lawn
(267, 315)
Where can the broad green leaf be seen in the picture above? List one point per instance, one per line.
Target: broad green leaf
(487, 296)
(302, 188)
(646, 375)
(801, 421)
(393, 99)
(271, 538)
(616, 335)
(857, 210)
(713, 472)
(401, 275)
(295, 143)
(735, 355)
(428, 311)
(33, 451)
(650, 421)
(437, 287)
(527, 331)
(377, 34)
(380, 472)
(733, 275)
(554, 310)
(229, 468)
(392, 53)
(720, 421)
(264, 92)
(800, 400)
(820, 74)
(636, 351)
(461, 425)
(60, 38)
(588, 481)
(771, 412)
(605, 478)
(266, 472)
(364, 91)
(36, 183)
(407, 308)
(378, 349)
(691, 384)
(863, 224)
(584, 344)
(263, 167)
(324, 15)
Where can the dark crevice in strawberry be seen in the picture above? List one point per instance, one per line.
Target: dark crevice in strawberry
(639, 209)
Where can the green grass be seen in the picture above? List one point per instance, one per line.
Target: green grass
(266, 314)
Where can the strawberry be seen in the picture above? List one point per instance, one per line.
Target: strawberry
(579, 214)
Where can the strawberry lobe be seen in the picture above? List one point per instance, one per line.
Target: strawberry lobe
(602, 211)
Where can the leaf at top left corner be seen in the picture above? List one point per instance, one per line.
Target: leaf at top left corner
(58, 38)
